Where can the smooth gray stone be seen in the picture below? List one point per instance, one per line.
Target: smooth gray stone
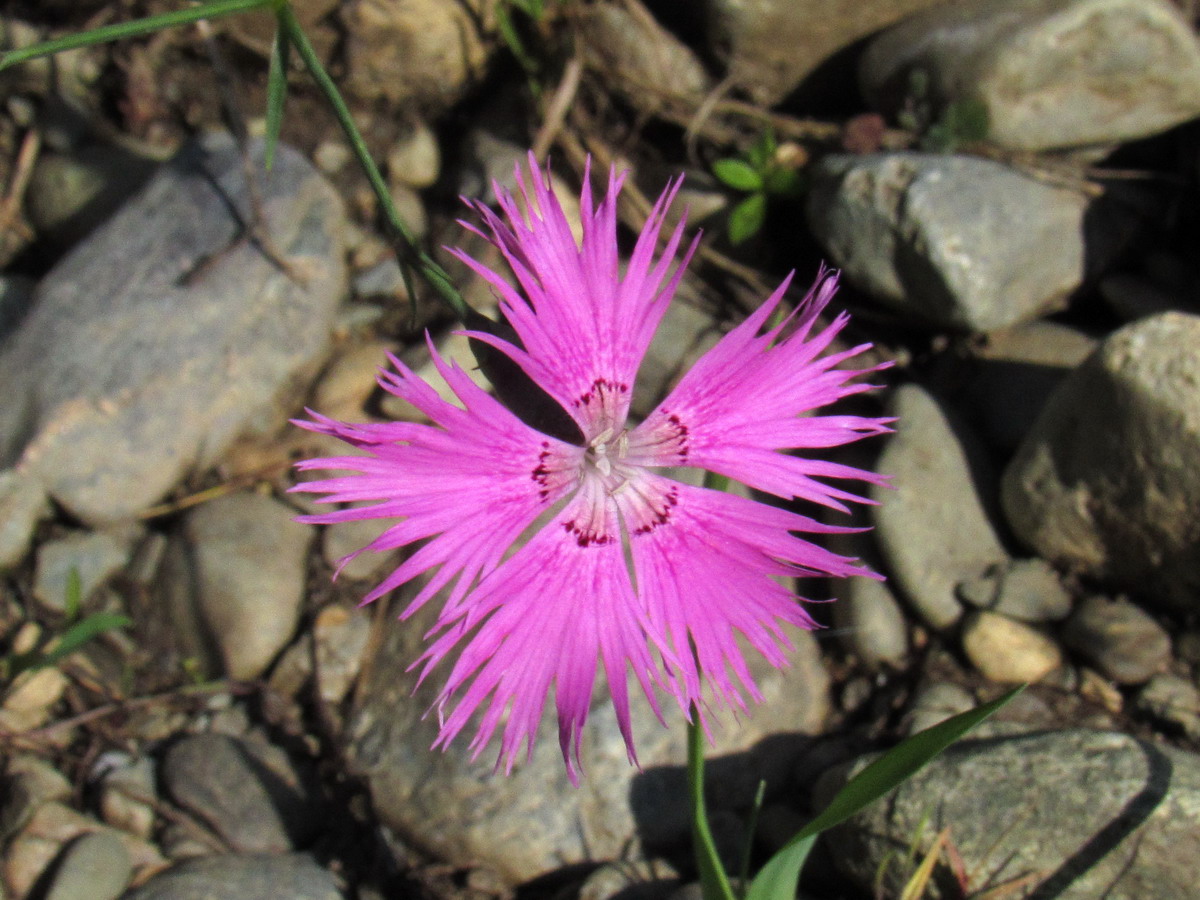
(771, 46)
(1028, 590)
(94, 866)
(1099, 814)
(1107, 482)
(295, 876)
(1119, 639)
(954, 241)
(933, 525)
(1051, 73)
(233, 581)
(23, 504)
(253, 807)
(162, 337)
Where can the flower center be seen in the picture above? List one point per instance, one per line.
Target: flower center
(607, 449)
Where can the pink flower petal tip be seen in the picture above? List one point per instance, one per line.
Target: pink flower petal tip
(630, 570)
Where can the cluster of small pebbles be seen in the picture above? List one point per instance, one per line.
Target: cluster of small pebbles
(256, 734)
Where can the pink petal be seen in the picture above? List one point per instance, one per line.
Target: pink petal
(707, 566)
(747, 399)
(471, 483)
(584, 328)
(543, 619)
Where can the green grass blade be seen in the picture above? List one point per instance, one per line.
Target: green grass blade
(138, 27)
(82, 632)
(412, 255)
(777, 880)
(714, 883)
(276, 93)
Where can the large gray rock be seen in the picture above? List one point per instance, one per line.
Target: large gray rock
(934, 526)
(161, 338)
(534, 821)
(1108, 480)
(1096, 814)
(1052, 73)
(956, 241)
(770, 46)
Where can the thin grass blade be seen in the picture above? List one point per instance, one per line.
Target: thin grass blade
(121, 30)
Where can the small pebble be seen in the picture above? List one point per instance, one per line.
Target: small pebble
(341, 637)
(1119, 639)
(23, 504)
(415, 160)
(1173, 699)
(1008, 651)
(128, 795)
(1025, 589)
(937, 703)
(332, 156)
(94, 866)
(95, 556)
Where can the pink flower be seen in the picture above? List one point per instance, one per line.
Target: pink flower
(633, 569)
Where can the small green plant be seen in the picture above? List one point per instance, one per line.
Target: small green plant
(960, 122)
(762, 173)
(80, 630)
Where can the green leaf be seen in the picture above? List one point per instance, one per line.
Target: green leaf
(214, 10)
(967, 120)
(783, 182)
(276, 92)
(747, 218)
(777, 879)
(761, 153)
(738, 174)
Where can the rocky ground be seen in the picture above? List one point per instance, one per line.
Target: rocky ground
(1010, 189)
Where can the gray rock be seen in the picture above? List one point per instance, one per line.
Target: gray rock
(70, 194)
(957, 241)
(23, 504)
(1094, 813)
(871, 623)
(1028, 590)
(772, 45)
(296, 876)
(415, 160)
(126, 376)
(1018, 368)
(128, 793)
(254, 808)
(640, 58)
(1051, 73)
(1118, 639)
(1107, 482)
(424, 54)
(95, 556)
(1173, 699)
(237, 575)
(933, 526)
(935, 703)
(94, 866)
(1008, 651)
(533, 820)
(16, 298)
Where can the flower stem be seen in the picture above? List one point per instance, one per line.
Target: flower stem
(714, 883)
(409, 255)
